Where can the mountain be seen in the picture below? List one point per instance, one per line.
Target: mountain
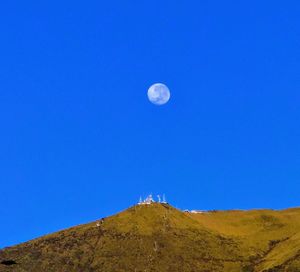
(160, 238)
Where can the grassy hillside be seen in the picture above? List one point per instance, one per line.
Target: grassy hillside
(161, 238)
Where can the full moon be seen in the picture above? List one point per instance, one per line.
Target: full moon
(159, 94)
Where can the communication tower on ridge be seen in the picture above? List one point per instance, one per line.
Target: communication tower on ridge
(159, 200)
(149, 200)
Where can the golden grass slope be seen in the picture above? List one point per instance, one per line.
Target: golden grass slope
(161, 238)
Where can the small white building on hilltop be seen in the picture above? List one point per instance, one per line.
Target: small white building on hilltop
(197, 211)
(194, 211)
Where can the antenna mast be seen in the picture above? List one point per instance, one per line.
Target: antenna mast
(159, 200)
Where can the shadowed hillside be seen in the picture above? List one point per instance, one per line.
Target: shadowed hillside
(160, 238)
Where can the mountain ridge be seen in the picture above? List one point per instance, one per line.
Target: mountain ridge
(159, 237)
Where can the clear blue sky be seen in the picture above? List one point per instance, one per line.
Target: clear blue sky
(79, 140)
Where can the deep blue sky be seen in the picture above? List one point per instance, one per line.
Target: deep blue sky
(79, 140)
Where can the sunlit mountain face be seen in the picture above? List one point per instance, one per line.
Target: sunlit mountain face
(158, 237)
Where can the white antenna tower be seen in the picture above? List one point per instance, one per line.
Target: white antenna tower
(150, 198)
(159, 200)
(164, 199)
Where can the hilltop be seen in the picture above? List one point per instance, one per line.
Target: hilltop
(160, 238)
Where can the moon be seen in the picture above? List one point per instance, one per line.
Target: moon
(159, 94)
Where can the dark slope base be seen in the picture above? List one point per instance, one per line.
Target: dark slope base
(158, 237)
